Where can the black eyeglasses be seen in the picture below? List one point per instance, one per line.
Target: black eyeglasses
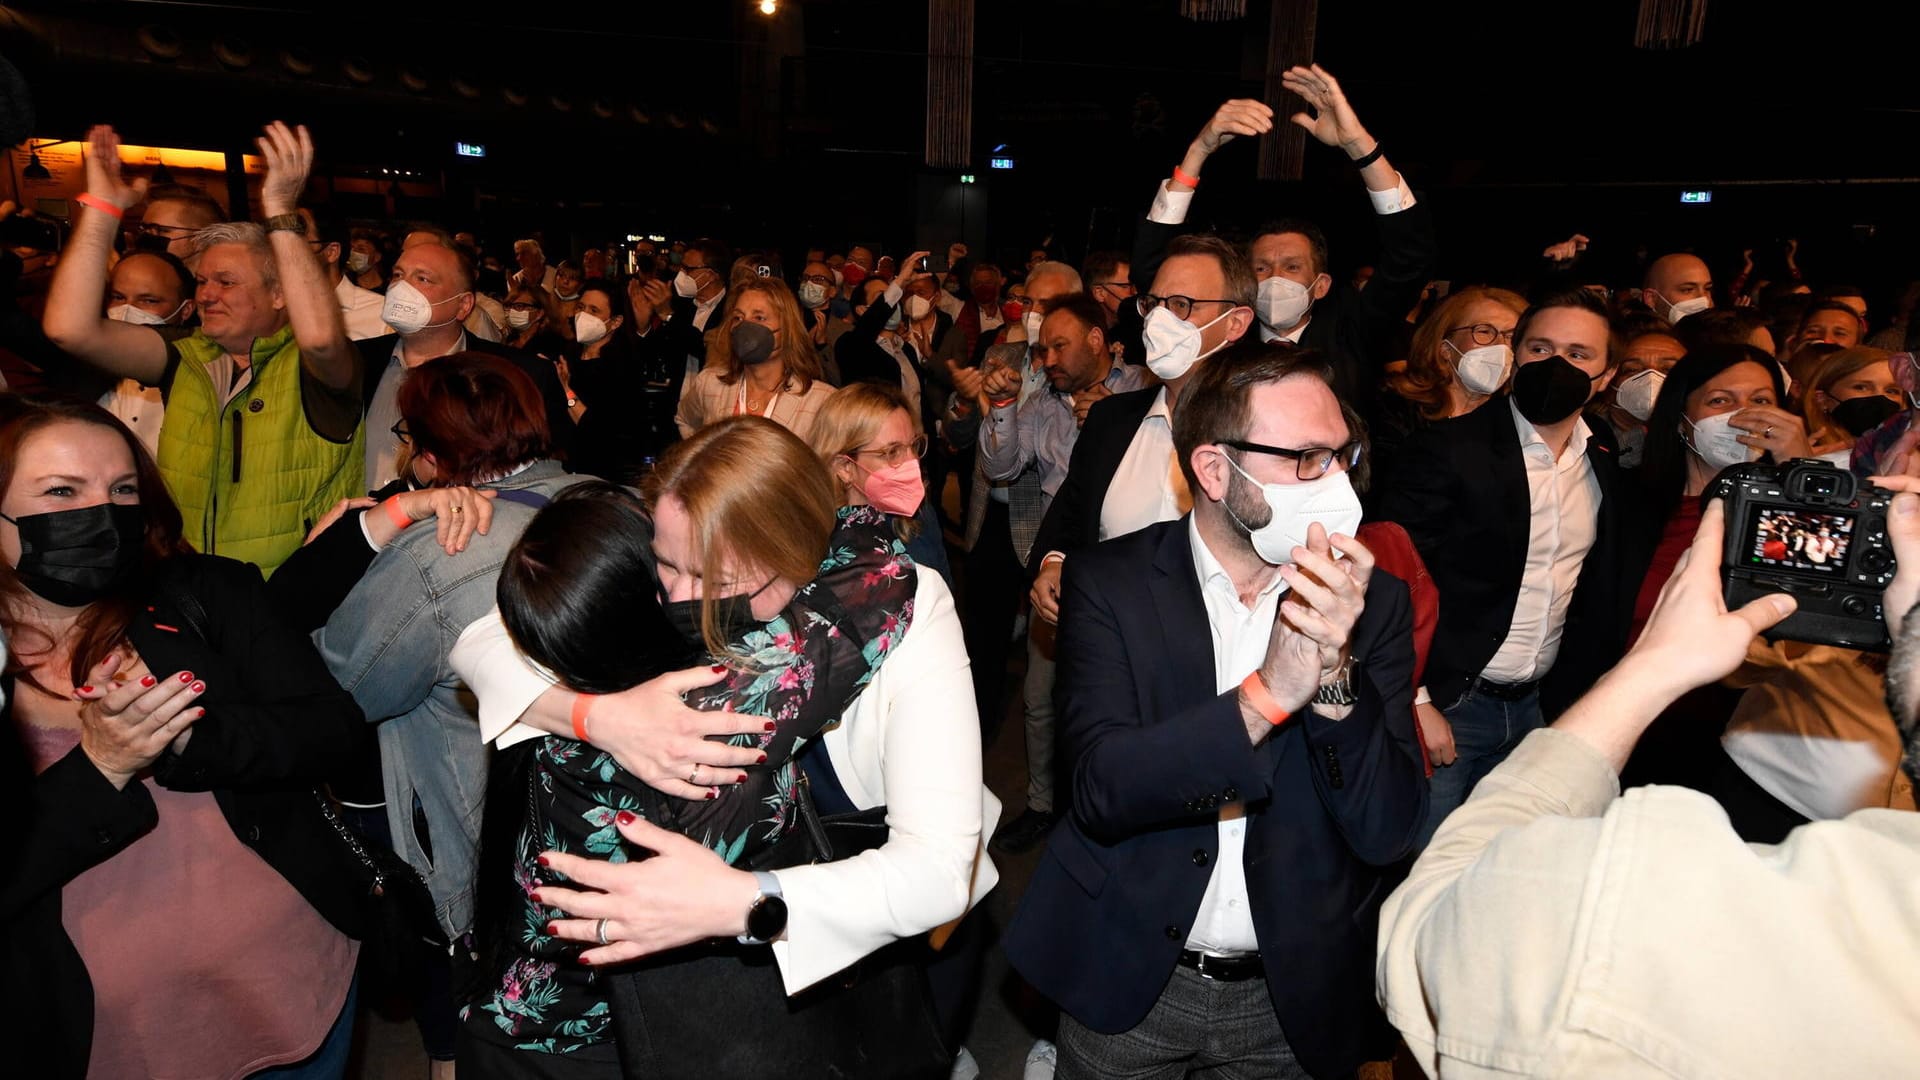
(155, 229)
(1309, 463)
(400, 432)
(1484, 333)
(1181, 306)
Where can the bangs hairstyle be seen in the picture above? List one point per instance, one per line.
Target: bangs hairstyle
(478, 414)
(578, 595)
(1429, 366)
(1580, 300)
(1832, 368)
(1218, 406)
(851, 419)
(103, 625)
(794, 352)
(759, 501)
(1663, 464)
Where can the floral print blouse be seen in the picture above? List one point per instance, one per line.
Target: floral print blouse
(801, 669)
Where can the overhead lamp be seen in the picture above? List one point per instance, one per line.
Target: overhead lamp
(768, 7)
(35, 170)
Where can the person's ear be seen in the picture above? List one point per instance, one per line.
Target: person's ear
(1321, 285)
(1097, 340)
(330, 253)
(1825, 400)
(1239, 321)
(1211, 470)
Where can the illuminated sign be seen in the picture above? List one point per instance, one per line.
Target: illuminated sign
(469, 149)
(1696, 196)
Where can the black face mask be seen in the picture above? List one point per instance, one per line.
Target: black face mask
(1862, 414)
(752, 343)
(1548, 391)
(74, 557)
(153, 242)
(732, 616)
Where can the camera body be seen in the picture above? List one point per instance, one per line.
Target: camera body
(1817, 533)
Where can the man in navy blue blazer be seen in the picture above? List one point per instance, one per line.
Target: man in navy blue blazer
(1236, 704)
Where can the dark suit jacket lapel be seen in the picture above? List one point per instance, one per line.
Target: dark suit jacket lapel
(1115, 439)
(1509, 477)
(1185, 667)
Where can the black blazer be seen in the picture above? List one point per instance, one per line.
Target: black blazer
(276, 726)
(1073, 519)
(1154, 752)
(376, 353)
(1459, 488)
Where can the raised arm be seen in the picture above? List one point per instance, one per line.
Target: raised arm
(326, 352)
(74, 320)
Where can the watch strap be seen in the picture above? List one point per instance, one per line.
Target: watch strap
(287, 223)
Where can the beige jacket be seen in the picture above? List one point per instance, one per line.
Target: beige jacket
(1552, 929)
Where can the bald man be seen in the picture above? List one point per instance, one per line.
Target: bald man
(1677, 286)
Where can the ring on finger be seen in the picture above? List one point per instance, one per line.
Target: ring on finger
(1767, 434)
(457, 508)
(600, 931)
(691, 773)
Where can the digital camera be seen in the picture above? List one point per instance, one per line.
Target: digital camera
(1815, 532)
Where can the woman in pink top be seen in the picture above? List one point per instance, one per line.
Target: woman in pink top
(172, 904)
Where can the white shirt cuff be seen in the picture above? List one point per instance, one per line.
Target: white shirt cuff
(1421, 697)
(1054, 556)
(365, 533)
(1393, 200)
(894, 292)
(1170, 207)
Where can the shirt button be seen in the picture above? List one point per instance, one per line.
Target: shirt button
(1200, 857)
(1232, 794)
(1173, 933)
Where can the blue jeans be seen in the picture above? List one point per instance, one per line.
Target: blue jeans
(1485, 731)
(330, 1061)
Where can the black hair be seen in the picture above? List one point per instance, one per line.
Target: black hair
(1316, 239)
(578, 594)
(331, 228)
(1579, 299)
(1720, 326)
(1664, 461)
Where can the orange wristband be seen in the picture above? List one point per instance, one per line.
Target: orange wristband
(1181, 176)
(582, 704)
(100, 204)
(395, 514)
(1262, 700)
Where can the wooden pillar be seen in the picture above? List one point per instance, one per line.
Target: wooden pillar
(949, 84)
(1290, 32)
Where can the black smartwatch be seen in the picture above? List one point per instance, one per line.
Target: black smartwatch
(767, 915)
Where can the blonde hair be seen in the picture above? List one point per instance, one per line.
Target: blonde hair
(799, 363)
(850, 419)
(1429, 369)
(757, 497)
(1831, 369)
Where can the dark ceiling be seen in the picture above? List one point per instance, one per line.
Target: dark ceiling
(1525, 120)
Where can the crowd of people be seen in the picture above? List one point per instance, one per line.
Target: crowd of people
(597, 655)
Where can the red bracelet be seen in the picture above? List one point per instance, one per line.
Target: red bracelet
(582, 704)
(100, 204)
(1261, 700)
(1180, 176)
(395, 514)
(1003, 403)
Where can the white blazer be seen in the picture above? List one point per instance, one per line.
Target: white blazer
(910, 741)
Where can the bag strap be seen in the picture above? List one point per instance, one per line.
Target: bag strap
(522, 496)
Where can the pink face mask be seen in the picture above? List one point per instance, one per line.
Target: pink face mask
(896, 489)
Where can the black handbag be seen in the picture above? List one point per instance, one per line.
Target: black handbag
(396, 913)
(720, 1009)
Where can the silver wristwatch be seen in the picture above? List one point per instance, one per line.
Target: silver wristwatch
(1339, 691)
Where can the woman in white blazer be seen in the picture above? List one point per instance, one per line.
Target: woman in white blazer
(909, 741)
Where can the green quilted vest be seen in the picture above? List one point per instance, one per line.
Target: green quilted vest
(251, 479)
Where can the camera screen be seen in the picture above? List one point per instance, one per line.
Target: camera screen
(1794, 539)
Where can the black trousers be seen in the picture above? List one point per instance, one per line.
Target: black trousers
(1756, 815)
(996, 582)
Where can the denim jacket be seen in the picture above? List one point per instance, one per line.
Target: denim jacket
(387, 644)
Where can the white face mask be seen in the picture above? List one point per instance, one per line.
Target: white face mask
(1281, 302)
(1329, 500)
(1718, 443)
(1031, 321)
(1482, 370)
(127, 313)
(1173, 343)
(358, 262)
(408, 310)
(569, 298)
(1636, 394)
(918, 306)
(812, 294)
(1676, 312)
(519, 320)
(684, 285)
(588, 327)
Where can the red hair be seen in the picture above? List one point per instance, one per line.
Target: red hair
(103, 625)
(478, 414)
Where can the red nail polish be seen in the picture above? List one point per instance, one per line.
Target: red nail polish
(542, 860)
(198, 688)
(742, 780)
(713, 793)
(762, 761)
(718, 668)
(624, 817)
(587, 960)
(86, 689)
(186, 676)
(553, 930)
(148, 680)
(771, 726)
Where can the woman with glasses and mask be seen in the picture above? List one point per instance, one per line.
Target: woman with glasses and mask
(534, 324)
(174, 903)
(806, 614)
(1462, 355)
(761, 363)
(873, 445)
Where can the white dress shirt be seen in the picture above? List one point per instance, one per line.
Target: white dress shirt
(140, 408)
(925, 770)
(1142, 493)
(1224, 923)
(1565, 500)
(383, 450)
(360, 309)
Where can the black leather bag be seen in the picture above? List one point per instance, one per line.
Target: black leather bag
(720, 1009)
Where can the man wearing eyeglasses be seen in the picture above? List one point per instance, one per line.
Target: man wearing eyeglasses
(1514, 509)
(1235, 689)
(173, 213)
